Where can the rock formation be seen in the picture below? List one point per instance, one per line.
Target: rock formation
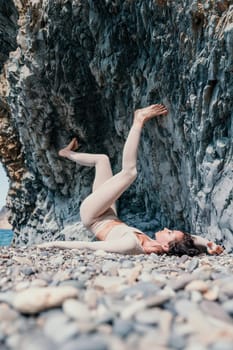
(81, 68)
(4, 224)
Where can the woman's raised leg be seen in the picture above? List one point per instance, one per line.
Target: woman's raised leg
(107, 193)
(103, 170)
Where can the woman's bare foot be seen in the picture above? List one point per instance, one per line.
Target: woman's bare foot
(144, 114)
(72, 146)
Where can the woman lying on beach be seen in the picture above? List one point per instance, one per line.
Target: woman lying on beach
(98, 210)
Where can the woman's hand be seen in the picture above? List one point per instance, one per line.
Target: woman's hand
(214, 249)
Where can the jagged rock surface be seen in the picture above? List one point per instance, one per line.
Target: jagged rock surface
(82, 67)
(8, 18)
(4, 214)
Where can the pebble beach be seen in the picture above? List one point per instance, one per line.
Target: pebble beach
(81, 300)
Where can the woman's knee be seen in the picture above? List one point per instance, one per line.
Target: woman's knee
(86, 219)
(130, 173)
(103, 158)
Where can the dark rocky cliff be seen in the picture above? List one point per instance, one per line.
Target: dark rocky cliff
(81, 68)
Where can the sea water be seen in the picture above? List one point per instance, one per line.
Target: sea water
(6, 237)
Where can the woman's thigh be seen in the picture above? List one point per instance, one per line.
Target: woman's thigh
(102, 199)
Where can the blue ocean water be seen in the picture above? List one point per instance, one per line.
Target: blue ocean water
(6, 237)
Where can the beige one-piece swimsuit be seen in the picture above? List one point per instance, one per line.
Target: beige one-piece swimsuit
(109, 227)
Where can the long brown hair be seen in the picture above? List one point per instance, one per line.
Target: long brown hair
(184, 247)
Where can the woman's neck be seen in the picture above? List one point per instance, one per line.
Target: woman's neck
(152, 246)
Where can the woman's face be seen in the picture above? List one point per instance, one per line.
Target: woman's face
(165, 236)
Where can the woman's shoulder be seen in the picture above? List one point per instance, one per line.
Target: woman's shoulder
(136, 230)
(141, 235)
(147, 244)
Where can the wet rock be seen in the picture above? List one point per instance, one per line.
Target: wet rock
(109, 283)
(130, 310)
(22, 285)
(181, 281)
(143, 289)
(38, 283)
(34, 300)
(36, 340)
(228, 306)
(215, 310)
(122, 328)
(227, 289)
(76, 310)
(7, 314)
(59, 329)
(212, 294)
(87, 342)
(222, 345)
(185, 307)
(151, 316)
(131, 275)
(110, 267)
(27, 270)
(196, 296)
(192, 265)
(197, 285)
(159, 299)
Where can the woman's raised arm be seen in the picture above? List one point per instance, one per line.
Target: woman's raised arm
(211, 247)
